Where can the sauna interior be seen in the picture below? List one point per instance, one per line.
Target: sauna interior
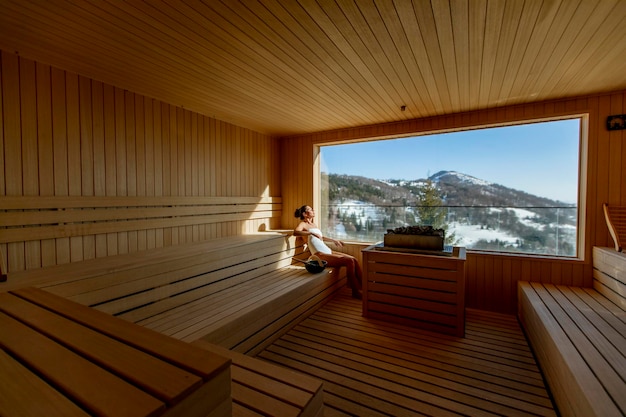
(134, 126)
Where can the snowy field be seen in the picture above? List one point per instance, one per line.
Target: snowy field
(469, 234)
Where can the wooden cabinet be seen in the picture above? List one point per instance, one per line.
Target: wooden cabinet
(421, 290)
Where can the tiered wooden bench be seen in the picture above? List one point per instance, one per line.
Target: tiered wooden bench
(579, 338)
(238, 292)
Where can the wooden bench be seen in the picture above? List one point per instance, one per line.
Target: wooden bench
(59, 358)
(238, 292)
(579, 338)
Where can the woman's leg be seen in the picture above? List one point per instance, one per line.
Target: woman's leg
(353, 269)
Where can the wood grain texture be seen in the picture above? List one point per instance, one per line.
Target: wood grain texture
(109, 358)
(283, 68)
(372, 367)
(579, 343)
(424, 291)
(280, 168)
(238, 291)
(68, 135)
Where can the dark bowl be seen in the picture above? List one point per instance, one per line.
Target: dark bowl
(314, 267)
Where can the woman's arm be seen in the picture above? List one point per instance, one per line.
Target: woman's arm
(303, 230)
(334, 241)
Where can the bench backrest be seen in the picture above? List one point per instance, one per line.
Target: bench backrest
(44, 231)
(609, 274)
(616, 222)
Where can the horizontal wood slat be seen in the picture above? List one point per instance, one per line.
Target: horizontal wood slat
(426, 291)
(116, 368)
(264, 389)
(43, 202)
(237, 291)
(84, 383)
(609, 274)
(19, 386)
(580, 344)
(27, 218)
(171, 350)
(160, 379)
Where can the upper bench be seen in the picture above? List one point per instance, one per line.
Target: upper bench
(238, 292)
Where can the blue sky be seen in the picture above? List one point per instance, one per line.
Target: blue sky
(539, 158)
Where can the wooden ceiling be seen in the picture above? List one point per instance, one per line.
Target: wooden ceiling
(286, 67)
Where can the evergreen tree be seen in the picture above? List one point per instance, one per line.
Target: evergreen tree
(429, 206)
(431, 211)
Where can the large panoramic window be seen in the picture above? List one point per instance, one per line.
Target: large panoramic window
(507, 188)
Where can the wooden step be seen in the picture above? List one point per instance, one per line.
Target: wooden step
(261, 388)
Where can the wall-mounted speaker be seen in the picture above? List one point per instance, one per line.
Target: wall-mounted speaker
(616, 122)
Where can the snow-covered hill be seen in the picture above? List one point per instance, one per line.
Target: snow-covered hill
(478, 213)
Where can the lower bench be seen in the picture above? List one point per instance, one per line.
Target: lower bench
(579, 338)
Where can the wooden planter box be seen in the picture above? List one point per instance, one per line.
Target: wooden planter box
(414, 241)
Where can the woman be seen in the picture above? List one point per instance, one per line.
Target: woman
(307, 228)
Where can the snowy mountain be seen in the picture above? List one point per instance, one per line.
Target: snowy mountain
(457, 189)
(480, 214)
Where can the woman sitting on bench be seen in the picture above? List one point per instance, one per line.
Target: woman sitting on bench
(308, 228)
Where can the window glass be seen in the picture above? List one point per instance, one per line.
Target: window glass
(507, 188)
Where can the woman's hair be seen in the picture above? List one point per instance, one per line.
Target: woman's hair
(300, 212)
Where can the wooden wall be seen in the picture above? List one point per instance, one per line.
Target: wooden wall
(74, 140)
(492, 278)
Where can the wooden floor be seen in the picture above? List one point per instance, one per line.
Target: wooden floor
(374, 368)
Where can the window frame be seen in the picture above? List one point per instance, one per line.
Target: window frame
(583, 143)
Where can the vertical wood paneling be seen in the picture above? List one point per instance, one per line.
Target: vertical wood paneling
(120, 143)
(492, 279)
(28, 118)
(99, 162)
(3, 247)
(131, 162)
(44, 131)
(66, 135)
(86, 135)
(12, 145)
(73, 134)
(60, 161)
(140, 145)
(30, 169)
(45, 151)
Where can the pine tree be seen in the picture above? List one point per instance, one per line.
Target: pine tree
(431, 211)
(429, 206)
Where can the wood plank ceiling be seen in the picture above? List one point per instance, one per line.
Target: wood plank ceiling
(286, 67)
